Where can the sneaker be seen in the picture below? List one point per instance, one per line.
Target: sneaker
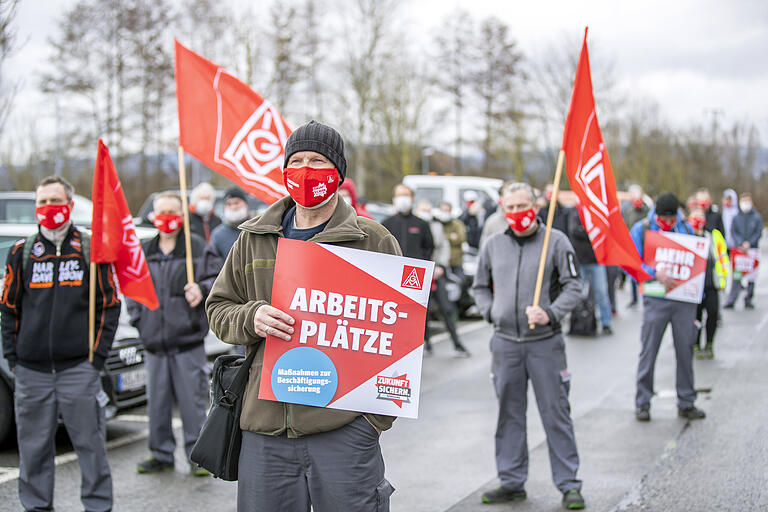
(461, 351)
(643, 415)
(503, 495)
(632, 304)
(427, 349)
(152, 465)
(691, 413)
(708, 353)
(749, 305)
(728, 306)
(197, 470)
(607, 331)
(572, 500)
(698, 353)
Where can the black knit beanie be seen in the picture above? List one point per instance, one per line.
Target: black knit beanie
(667, 204)
(319, 138)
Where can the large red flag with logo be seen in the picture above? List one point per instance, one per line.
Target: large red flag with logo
(229, 127)
(591, 178)
(113, 238)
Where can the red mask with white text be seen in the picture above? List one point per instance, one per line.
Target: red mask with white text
(167, 222)
(697, 223)
(310, 187)
(522, 220)
(52, 216)
(663, 225)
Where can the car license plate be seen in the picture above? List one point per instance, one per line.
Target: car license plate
(131, 380)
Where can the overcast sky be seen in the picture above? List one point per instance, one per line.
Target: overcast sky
(692, 57)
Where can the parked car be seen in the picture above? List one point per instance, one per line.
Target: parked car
(123, 377)
(19, 208)
(437, 189)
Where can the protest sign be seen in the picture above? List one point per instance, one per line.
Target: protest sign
(359, 330)
(685, 259)
(745, 263)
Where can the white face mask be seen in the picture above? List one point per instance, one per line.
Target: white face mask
(745, 206)
(235, 216)
(203, 207)
(443, 216)
(425, 216)
(403, 204)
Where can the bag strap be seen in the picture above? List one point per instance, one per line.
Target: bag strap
(28, 243)
(235, 389)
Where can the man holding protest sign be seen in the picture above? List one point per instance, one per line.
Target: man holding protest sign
(672, 298)
(527, 343)
(296, 455)
(746, 230)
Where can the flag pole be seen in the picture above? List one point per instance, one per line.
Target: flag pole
(92, 310)
(185, 210)
(550, 218)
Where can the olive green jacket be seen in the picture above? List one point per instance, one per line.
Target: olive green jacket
(245, 284)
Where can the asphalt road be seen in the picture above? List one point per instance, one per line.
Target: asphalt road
(444, 460)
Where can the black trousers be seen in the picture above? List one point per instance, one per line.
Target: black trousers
(710, 303)
(447, 309)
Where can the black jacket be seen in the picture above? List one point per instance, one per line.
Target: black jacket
(413, 235)
(175, 326)
(579, 239)
(714, 220)
(198, 225)
(45, 310)
(559, 219)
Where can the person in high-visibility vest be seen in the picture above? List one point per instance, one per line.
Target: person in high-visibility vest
(714, 280)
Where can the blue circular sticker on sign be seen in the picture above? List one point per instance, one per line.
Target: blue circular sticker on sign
(304, 375)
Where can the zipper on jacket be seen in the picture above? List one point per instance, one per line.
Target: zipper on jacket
(517, 291)
(53, 304)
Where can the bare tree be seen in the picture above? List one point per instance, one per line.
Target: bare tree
(8, 45)
(365, 37)
(495, 81)
(287, 69)
(454, 63)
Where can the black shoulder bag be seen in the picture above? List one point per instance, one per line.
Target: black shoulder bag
(218, 446)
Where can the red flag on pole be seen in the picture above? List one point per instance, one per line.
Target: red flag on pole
(229, 127)
(113, 238)
(591, 178)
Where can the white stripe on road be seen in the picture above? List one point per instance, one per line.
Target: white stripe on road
(9, 474)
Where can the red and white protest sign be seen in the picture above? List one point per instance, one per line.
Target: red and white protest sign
(745, 263)
(229, 127)
(685, 259)
(359, 330)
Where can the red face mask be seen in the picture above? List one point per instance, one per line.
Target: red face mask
(310, 187)
(52, 216)
(637, 203)
(167, 222)
(697, 222)
(705, 205)
(522, 220)
(663, 225)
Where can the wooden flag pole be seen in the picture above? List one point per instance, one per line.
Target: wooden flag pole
(550, 218)
(185, 210)
(92, 310)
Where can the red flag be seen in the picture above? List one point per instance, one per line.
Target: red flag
(113, 238)
(229, 127)
(591, 178)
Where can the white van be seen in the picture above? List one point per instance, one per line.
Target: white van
(437, 189)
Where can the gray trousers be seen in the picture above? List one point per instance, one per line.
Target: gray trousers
(736, 288)
(657, 313)
(543, 362)
(340, 470)
(183, 376)
(39, 399)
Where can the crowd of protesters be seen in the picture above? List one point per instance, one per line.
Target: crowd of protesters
(527, 342)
